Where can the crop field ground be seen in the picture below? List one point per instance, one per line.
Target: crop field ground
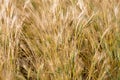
(59, 39)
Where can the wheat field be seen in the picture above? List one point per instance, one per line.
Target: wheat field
(59, 39)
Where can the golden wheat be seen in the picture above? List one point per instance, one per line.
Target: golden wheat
(59, 40)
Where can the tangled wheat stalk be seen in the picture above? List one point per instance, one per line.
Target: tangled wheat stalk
(59, 40)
